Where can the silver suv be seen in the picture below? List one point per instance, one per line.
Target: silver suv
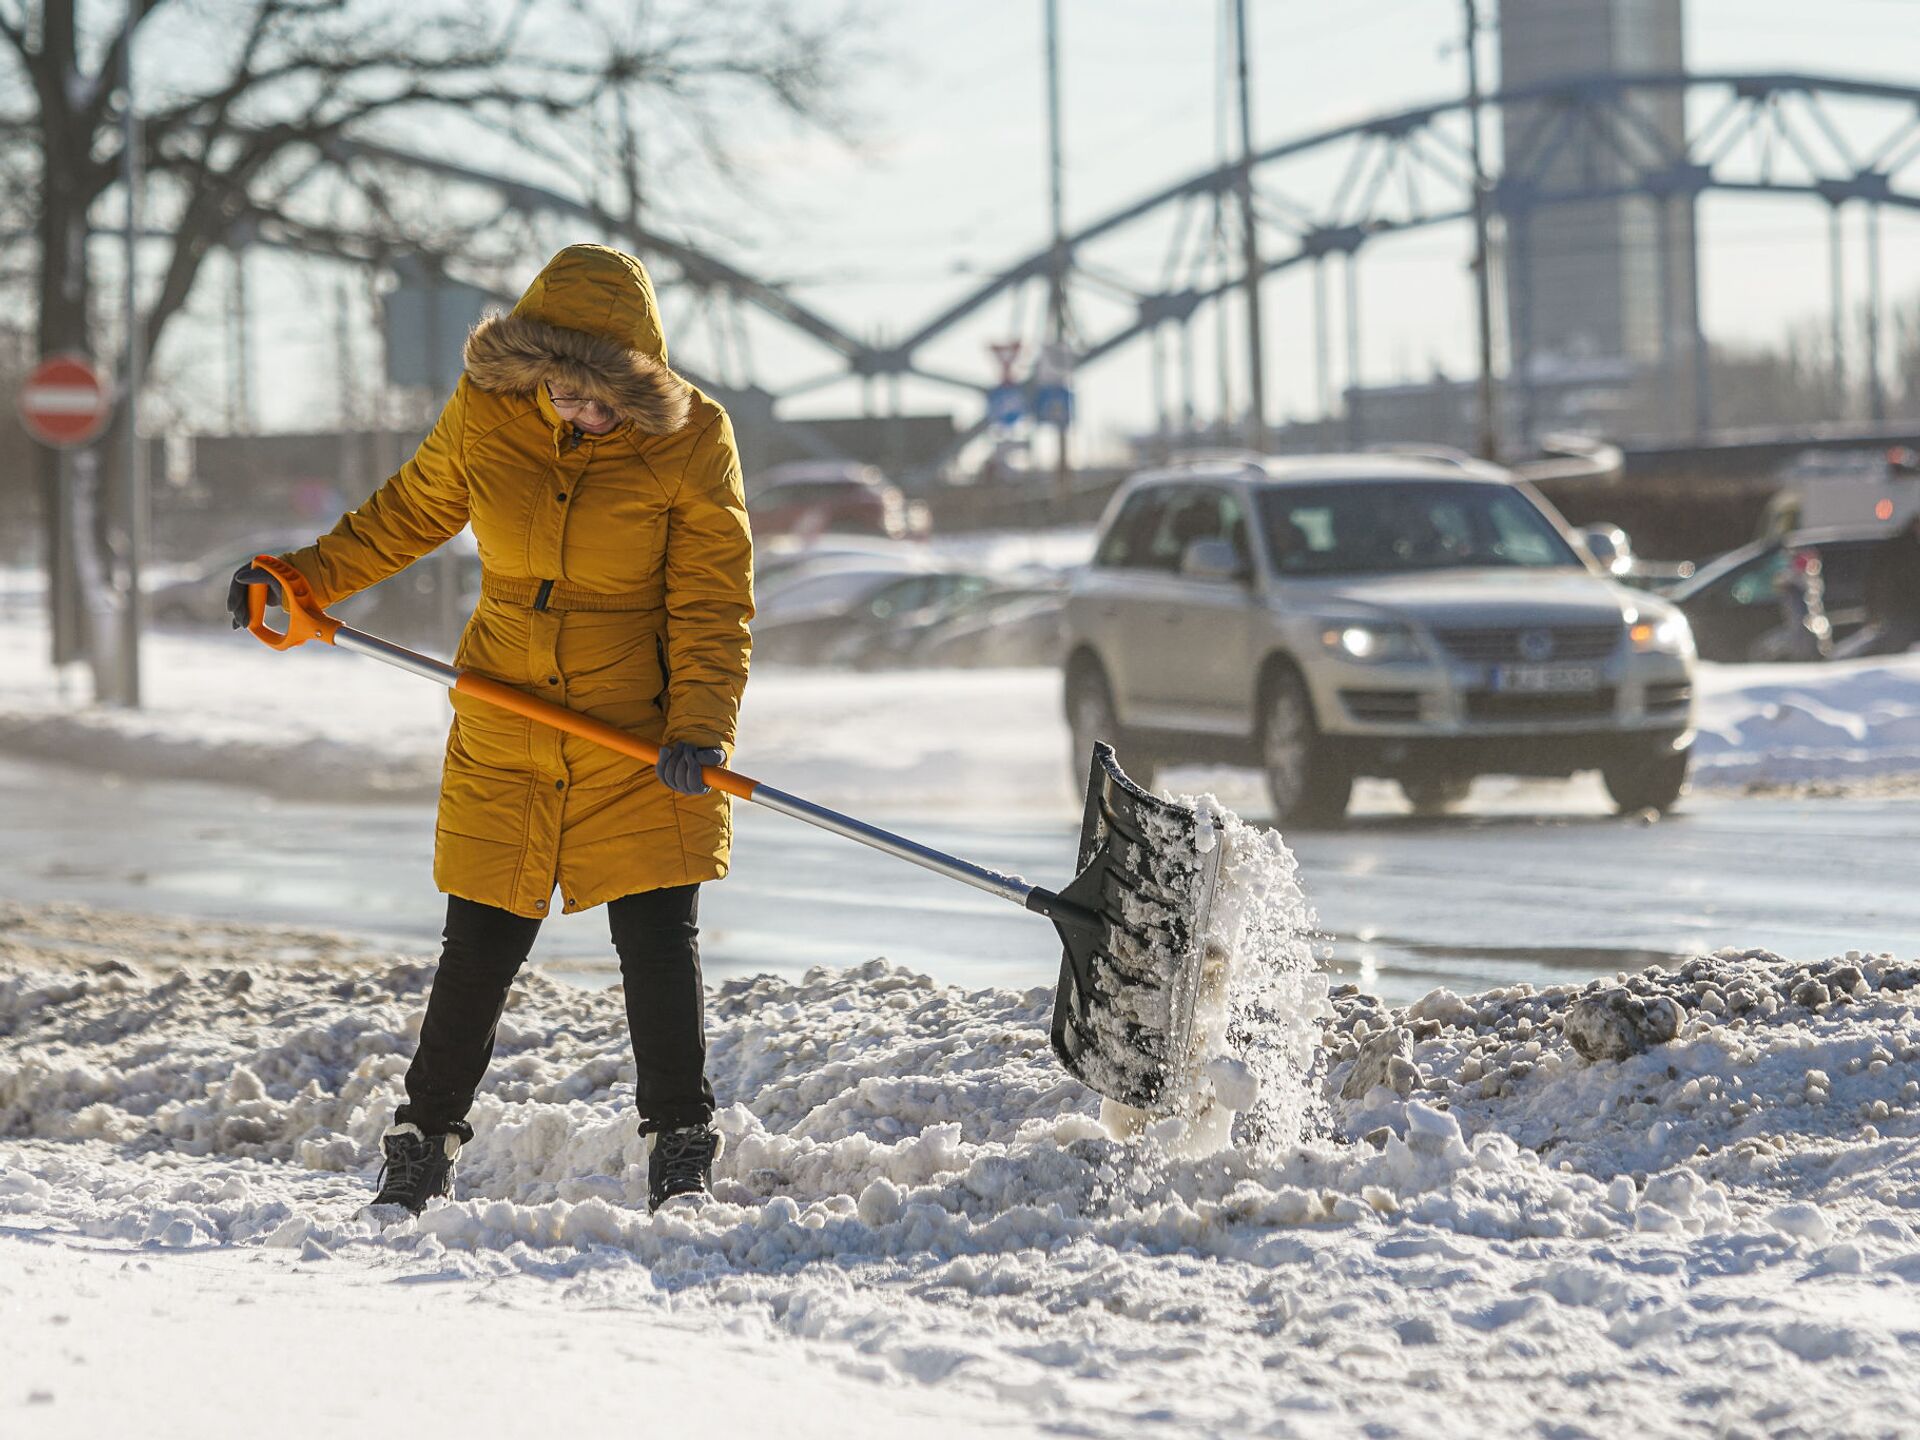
(1335, 616)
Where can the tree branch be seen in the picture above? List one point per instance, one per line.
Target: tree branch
(108, 84)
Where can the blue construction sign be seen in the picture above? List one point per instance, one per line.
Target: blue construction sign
(1006, 404)
(1053, 404)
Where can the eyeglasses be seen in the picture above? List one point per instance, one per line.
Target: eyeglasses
(577, 402)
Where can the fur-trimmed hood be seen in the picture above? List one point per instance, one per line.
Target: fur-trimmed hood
(589, 324)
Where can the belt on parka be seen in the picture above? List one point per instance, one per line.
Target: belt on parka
(551, 595)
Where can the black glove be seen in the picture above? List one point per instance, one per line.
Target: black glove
(248, 574)
(680, 762)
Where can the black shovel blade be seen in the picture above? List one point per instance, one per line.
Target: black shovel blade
(1136, 914)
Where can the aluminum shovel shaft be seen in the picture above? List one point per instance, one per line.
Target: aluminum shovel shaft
(307, 621)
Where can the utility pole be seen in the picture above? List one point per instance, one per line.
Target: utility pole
(1250, 243)
(1057, 267)
(132, 613)
(1488, 445)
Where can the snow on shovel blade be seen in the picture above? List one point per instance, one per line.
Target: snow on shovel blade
(1123, 1015)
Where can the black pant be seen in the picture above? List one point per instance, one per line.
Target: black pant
(657, 939)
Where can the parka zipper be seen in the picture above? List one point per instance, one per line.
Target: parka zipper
(546, 586)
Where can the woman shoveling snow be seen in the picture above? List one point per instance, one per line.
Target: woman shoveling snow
(605, 494)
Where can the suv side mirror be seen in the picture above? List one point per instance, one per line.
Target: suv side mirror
(1212, 560)
(1610, 546)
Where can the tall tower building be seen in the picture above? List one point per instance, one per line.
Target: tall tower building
(1601, 286)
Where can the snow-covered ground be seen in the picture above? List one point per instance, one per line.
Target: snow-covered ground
(1441, 1220)
(921, 1227)
(322, 723)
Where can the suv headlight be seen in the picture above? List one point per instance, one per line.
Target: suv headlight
(1667, 634)
(1370, 642)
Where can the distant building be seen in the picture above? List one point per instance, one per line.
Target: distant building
(1593, 282)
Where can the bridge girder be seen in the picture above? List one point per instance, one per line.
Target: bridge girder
(1782, 114)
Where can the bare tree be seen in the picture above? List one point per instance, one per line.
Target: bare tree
(1905, 382)
(256, 94)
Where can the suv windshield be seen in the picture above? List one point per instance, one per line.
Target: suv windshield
(1369, 527)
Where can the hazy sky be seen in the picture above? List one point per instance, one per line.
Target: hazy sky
(948, 182)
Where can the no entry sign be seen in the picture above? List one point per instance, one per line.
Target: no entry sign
(64, 401)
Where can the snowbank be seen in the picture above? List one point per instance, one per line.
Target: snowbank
(1482, 1229)
(1777, 725)
(322, 724)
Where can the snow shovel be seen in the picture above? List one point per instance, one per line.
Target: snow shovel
(1132, 921)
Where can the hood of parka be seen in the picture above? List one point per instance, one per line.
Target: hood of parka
(589, 324)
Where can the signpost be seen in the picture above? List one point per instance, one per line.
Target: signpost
(64, 405)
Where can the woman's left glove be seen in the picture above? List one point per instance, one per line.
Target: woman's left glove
(680, 764)
(249, 574)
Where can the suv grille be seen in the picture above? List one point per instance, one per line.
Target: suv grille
(1570, 642)
(1382, 707)
(1512, 705)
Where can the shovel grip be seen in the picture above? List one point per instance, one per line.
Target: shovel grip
(305, 619)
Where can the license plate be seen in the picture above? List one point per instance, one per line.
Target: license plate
(1550, 679)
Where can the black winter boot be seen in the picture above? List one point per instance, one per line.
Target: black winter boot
(418, 1167)
(680, 1162)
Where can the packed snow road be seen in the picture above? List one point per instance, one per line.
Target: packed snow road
(1535, 883)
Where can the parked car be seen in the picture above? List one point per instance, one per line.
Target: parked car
(1734, 603)
(847, 617)
(194, 592)
(1330, 617)
(1014, 626)
(407, 606)
(823, 579)
(813, 498)
(1612, 550)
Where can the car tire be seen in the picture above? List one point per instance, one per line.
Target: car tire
(1091, 718)
(1307, 781)
(1436, 794)
(1652, 781)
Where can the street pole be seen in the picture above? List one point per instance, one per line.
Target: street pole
(1057, 268)
(1488, 438)
(1250, 244)
(132, 613)
(1876, 390)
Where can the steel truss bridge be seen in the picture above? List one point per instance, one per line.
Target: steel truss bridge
(1150, 269)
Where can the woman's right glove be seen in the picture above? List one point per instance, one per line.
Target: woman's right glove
(248, 574)
(680, 763)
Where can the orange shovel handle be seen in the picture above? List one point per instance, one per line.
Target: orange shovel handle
(598, 731)
(305, 620)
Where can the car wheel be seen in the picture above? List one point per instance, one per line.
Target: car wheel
(1652, 781)
(1309, 785)
(1436, 794)
(1091, 718)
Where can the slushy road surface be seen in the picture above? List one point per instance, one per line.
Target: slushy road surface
(1534, 883)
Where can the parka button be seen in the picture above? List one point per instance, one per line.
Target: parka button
(560, 495)
(539, 904)
(553, 679)
(559, 784)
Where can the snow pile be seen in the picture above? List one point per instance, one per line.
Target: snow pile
(1712, 1235)
(1773, 1076)
(1777, 725)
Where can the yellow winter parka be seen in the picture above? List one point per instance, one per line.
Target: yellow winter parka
(616, 580)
